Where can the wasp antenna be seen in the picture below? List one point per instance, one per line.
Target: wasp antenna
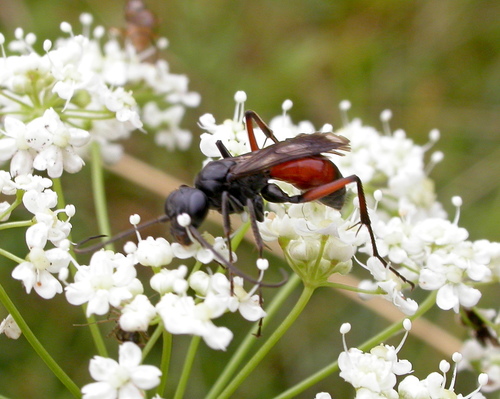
(90, 239)
(223, 261)
(117, 237)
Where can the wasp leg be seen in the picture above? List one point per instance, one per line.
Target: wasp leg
(224, 152)
(275, 194)
(223, 261)
(227, 222)
(255, 229)
(249, 115)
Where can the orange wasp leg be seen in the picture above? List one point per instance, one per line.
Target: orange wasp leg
(322, 191)
(249, 115)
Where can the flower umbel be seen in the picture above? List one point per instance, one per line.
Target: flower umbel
(79, 91)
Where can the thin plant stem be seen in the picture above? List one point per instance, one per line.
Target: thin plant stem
(37, 346)
(96, 335)
(11, 256)
(14, 205)
(61, 202)
(99, 192)
(186, 370)
(95, 332)
(14, 225)
(165, 362)
(250, 339)
(269, 344)
(351, 288)
(152, 340)
(377, 339)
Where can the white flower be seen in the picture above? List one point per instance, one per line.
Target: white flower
(232, 297)
(195, 250)
(448, 274)
(137, 314)
(32, 182)
(48, 226)
(430, 387)
(323, 395)
(170, 281)
(392, 287)
(37, 271)
(15, 147)
(123, 104)
(227, 132)
(200, 253)
(7, 186)
(4, 211)
(125, 379)
(153, 252)
(181, 315)
(109, 279)
(373, 373)
(364, 370)
(55, 144)
(10, 328)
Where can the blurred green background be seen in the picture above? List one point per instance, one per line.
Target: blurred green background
(435, 64)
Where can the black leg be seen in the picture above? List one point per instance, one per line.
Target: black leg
(224, 152)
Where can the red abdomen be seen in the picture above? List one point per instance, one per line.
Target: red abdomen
(306, 173)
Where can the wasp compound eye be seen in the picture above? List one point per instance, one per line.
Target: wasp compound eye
(190, 201)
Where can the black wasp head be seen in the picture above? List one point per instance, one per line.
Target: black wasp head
(187, 200)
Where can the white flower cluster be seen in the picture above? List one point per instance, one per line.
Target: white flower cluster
(47, 226)
(412, 230)
(186, 304)
(79, 91)
(374, 374)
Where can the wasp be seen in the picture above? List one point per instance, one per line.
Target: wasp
(234, 184)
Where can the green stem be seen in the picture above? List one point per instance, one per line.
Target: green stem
(18, 201)
(96, 334)
(188, 364)
(269, 344)
(94, 328)
(376, 340)
(61, 202)
(99, 191)
(245, 346)
(37, 346)
(14, 225)
(239, 235)
(165, 361)
(358, 290)
(11, 256)
(14, 99)
(152, 340)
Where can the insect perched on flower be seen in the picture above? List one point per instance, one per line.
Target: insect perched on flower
(234, 184)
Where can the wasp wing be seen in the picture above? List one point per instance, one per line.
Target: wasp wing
(301, 146)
